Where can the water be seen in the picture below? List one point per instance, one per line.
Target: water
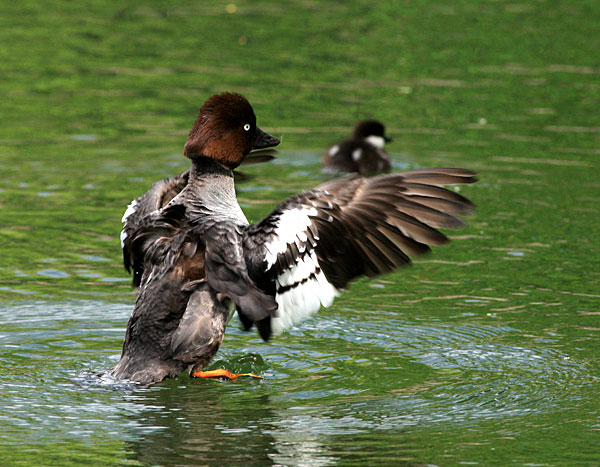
(485, 352)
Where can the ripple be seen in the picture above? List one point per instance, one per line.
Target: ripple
(94, 258)
(54, 273)
(475, 375)
(19, 291)
(35, 314)
(84, 137)
(371, 375)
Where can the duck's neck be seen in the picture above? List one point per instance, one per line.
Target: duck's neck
(202, 165)
(211, 191)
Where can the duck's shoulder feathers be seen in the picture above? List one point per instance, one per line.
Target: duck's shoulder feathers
(138, 214)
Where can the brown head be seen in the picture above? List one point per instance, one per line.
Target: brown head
(225, 130)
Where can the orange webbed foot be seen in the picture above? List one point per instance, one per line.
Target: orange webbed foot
(221, 373)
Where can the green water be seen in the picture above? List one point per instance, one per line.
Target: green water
(485, 352)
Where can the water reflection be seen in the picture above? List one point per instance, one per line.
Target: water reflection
(198, 424)
(187, 425)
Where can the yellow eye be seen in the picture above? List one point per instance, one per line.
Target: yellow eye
(247, 127)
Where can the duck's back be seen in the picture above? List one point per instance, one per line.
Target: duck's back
(177, 322)
(356, 155)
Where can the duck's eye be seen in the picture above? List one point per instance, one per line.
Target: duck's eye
(247, 127)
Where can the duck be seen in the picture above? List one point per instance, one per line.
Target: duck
(363, 152)
(197, 260)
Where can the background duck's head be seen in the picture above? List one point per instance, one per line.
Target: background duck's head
(373, 131)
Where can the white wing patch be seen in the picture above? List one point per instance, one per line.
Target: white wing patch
(356, 154)
(123, 237)
(301, 291)
(130, 210)
(303, 288)
(334, 150)
(290, 229)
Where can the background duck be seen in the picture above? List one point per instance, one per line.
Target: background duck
(363, 153)
(197, 259)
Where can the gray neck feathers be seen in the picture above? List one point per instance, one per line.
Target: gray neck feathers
(211, 192)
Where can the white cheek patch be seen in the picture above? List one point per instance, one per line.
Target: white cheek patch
(291, 228)
(376, 141)
(356, 154)
(334, 150)
(301, 291)
(130, 210)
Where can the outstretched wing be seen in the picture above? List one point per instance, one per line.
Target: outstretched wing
(313, 244)
(158, 196)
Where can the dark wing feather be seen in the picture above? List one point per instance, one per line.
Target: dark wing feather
(200, 330)
(157, 197)
(313, 244)
(226, 272)
(155, 246)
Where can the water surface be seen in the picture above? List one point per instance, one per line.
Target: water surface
(485, 352)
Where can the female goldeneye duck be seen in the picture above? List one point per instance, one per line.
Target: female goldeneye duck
(363, 153)
(197, 259)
